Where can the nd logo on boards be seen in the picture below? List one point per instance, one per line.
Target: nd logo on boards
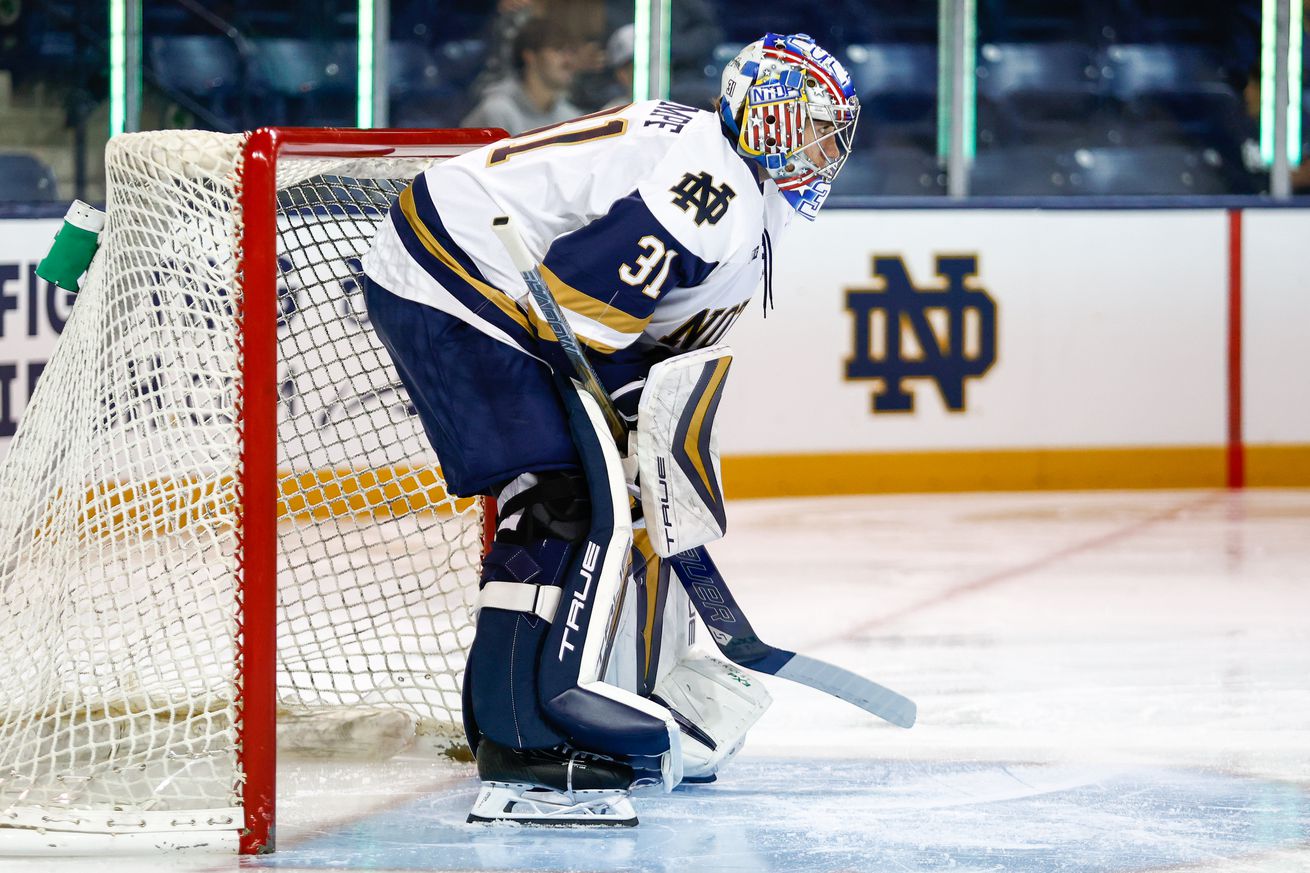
(945, 333)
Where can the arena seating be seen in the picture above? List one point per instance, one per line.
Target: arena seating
(305, 82)
(1158, 170)
(892, 171)
(1020, 171)
(897, 84)
(1173, 93)
(1152, 77)
(205, 68)
(1038, 93)
(26, 178)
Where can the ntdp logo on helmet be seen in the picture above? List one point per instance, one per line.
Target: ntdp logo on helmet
(902, 331)
(791, 108)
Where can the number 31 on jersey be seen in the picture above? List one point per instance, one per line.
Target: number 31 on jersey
(655, 255)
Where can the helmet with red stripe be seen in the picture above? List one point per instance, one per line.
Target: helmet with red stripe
(790, 107)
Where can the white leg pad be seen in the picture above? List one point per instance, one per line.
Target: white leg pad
(721, 699)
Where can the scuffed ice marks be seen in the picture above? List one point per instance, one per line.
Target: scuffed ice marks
(826, 817)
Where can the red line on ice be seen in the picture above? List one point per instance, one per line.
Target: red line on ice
(1009, 573)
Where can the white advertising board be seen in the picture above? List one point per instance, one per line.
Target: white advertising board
(1276, 321)
(939, 332)
(1109, 331)
(32, 314)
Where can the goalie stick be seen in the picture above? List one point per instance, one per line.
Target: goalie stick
(737, 640)
(707, 589)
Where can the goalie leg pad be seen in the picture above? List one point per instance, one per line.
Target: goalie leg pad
(677, 450)
(654, 628)
(543, 517)
(721, 700)
(595, 715)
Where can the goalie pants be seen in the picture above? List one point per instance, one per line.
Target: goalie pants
(489, 410)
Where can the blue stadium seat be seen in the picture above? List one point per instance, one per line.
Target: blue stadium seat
(1019, 171)
(1133, 69)
(288, 67)
(25, 177)
(1158, 170)
(340, 60)
(335, 104)
(893, 171)
(305, 82)
(411, 69)
(897, 86)
(46, 45)
(421, 96)
(1039, 20)
(1172, 93)
(462, 59)
(204, 67)
(1038, 93)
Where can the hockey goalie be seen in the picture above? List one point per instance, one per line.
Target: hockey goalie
(653, 225)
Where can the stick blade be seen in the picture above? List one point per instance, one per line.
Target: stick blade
(864, 693)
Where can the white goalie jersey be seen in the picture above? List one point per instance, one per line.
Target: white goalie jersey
(647, 224)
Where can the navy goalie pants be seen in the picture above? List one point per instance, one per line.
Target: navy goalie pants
(490, 411)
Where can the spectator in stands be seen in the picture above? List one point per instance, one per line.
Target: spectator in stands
(618, 58)
(536, 95)
(582, 20)
(499, 37)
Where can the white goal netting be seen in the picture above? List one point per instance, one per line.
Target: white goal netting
(120, 496)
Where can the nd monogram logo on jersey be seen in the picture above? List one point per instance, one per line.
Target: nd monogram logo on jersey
(698, 191)
(906, 332)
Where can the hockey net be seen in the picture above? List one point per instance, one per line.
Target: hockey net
(144, 502)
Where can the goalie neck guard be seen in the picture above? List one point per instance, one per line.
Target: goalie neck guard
(790, 107)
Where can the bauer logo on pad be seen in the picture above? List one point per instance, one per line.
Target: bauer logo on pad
(946, 333)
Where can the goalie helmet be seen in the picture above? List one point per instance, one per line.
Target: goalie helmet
(790, 107)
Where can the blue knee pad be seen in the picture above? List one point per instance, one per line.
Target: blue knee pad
(501, 681)
(502, 664)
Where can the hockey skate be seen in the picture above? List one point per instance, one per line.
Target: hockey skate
(551, 787)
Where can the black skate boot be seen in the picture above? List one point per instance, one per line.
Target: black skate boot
(551, 787)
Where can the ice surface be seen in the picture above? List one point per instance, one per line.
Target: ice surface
(1106, 682)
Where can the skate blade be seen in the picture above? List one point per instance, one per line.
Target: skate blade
(540, 807)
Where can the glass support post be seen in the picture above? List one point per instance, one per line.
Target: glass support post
(956, 92)
(374, 103)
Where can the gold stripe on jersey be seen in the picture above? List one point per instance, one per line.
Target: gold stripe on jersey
(495, 296)
(524, 318)
(597, 310)
(507, 149)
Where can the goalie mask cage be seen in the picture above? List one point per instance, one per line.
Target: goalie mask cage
(219, 507)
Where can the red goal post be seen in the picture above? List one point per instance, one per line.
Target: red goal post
(257, 263)
(218, 459)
